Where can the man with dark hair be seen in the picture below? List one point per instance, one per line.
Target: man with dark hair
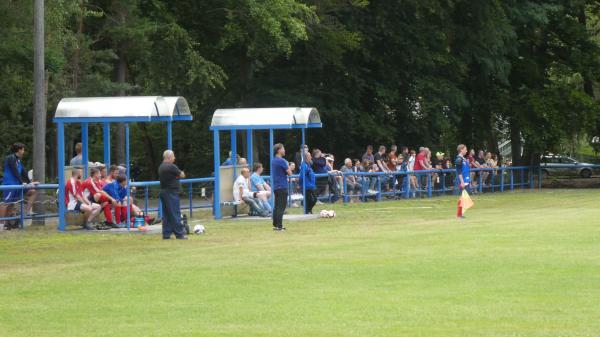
(280, 171)
(15, 174)
(169, 175)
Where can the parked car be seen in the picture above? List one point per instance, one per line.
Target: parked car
(558, 165)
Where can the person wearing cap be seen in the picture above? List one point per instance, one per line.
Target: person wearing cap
(307, 177)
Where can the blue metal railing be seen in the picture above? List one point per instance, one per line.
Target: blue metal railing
(367, 186)
(22, 190)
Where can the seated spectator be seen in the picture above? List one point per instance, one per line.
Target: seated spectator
(113, 173)
(307, 177)
(334, 179)
(258, 184)
(241, 192)
(352, 183)
(75, 201)
(92, 191)
(118, 191)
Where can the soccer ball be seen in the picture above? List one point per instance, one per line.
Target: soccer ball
(199, 229)
(332, 214)
(324, 214)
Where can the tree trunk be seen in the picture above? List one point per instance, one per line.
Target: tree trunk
(120, 129)
(39, 106)
(515, 141)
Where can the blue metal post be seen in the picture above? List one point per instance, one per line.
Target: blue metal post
(61, 175)
(217, 165)
(234, 152)
(512, 180)
(429, 194)
(170, 135)
(84, 148)
(480, 182)
(146, 199)
(502, 179)
(106, 136)
(22, 224)
(127, 164)
(540, 177)
(300, 169)
(378, 177)
(346, 198)
(191, 200)
(272, 198)
(249, 149)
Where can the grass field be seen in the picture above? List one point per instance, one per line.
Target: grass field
(522, 264)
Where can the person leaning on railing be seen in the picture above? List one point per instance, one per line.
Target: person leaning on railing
(15, 174)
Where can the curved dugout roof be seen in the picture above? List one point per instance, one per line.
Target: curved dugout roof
(265, 118)
(122, 109)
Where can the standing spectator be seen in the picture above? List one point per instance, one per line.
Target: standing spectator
(307, 176)
(258, 184)
(464, 175)
(368, 155)
(422, 164)
(319, 166)
(410, 168)
(78, 159)
(15, 174)
(169, 175)
(75, 201)
(405, 153)
(298, 158)
(280, 171)
(381, 166)
(392, 158)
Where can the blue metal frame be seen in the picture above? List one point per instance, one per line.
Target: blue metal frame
(106, 137)
(128, 165)
(60, 124)
(264, 127)
(217, 164)
(271, 154)
(249, 149)
(85, 148)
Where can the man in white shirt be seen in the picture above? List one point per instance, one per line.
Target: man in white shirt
(241, 192)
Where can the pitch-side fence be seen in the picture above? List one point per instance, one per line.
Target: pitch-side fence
(347, 187)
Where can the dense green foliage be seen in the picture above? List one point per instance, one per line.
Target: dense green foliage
(409, 72)
(522, 264)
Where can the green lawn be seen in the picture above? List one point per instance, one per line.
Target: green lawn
(522, 264)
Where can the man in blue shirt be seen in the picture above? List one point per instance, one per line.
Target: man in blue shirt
(307, 176)
(463, 173)
(259, 185)
(280, 172)
(15, 174)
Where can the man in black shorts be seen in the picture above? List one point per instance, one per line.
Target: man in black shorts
(169, 175)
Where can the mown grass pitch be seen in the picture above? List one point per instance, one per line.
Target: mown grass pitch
(522, 264)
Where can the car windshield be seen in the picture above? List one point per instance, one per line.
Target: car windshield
(566, 160)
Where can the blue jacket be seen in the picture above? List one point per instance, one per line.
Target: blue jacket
(115, 190)
(306, 172)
